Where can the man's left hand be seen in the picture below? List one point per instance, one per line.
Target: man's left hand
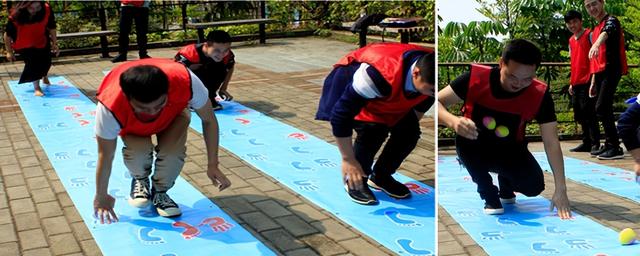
(561, 202)
(218, 178)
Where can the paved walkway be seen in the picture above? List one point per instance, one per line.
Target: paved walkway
(281, 79)
(609, 210)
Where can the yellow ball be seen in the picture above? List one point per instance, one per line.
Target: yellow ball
(502, 131)
(627, 236)
(489, 122)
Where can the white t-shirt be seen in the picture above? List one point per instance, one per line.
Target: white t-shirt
(107, 127)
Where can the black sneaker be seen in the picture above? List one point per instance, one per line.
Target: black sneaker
(119, 58)
(493, 208)
(165, 205)
(140, 194)
(612, 153)
(363, 195)
(597, 151)
(390, 186)
(144, 56)
(581, 148)
(216, 106)
(507, 197)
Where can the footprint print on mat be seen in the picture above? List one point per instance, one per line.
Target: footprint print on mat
(306, 185)
(492, 235)
(394, 216)
(579, 244)
(79, 182)
(415, 188)
(217, 224)
(406, 245)
(540, 248)
(300, 166)
(189, 231)
(145, 237)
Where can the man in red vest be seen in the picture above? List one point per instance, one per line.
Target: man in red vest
(378, 90)
(608, 64)
(139, 99)
(498, 102)
(583, 105)
(213, 62)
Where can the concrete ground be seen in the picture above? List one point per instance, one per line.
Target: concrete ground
(607, 209)
(281, 79)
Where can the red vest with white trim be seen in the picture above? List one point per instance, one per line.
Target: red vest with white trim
(32, 35)
(599, 63)
(111, 96)
(525, 105)
(580, 58)
(388, 59)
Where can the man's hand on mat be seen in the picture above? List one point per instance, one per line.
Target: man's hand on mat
(465, 127)
(561, 202)
(218, 178)
(225, 95)
(103, 208)
(10, 56)
(352, 173)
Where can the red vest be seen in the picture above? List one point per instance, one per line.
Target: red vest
(191, 53)
(599, 63)
(580, 58)
(526, 105)
(32, 35)
(388, 59)
(111, 96)
(136, 3)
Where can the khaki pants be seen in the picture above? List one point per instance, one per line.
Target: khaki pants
(170, 153)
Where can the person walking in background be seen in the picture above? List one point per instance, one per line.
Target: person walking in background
(608, 63)
(138, 11)
(31, 32)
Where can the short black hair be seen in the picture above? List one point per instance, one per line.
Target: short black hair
(572, 14)
(144, 83)
(427, 66)
(522, 51)
(218, 36)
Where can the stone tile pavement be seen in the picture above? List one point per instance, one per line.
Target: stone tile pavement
(279, 79)
(609, 210)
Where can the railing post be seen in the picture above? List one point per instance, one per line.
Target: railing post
(184, 16)
(262, 26)
(104, 44)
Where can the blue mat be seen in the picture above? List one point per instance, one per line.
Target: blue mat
(610, 179)
(311, 167)
(526, 228)
(63, 122)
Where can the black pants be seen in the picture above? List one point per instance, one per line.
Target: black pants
(606, 85)
(37, 62)
(517, 169)
(212, 76)
(584, 112)
(403, 139)
(141, 16)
